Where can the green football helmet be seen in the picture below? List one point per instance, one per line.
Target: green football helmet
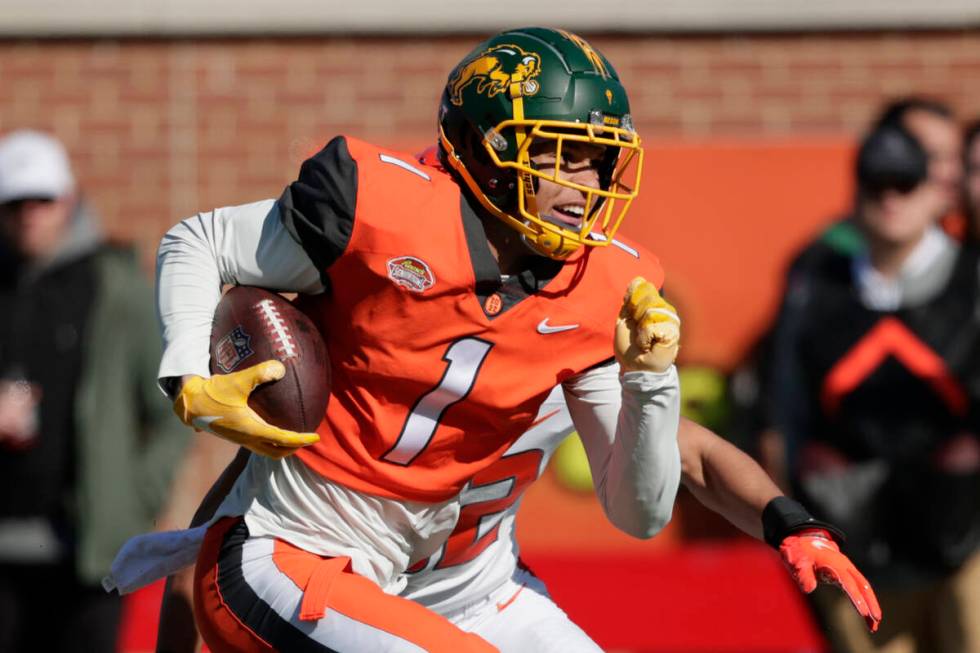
(529, 85)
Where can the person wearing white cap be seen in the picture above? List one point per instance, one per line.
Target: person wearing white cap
(34, 164)
(87, 446)
(37, 192)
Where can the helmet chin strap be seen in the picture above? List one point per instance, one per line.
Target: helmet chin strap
(543, 242)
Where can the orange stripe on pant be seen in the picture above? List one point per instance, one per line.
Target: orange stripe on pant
(329, 589)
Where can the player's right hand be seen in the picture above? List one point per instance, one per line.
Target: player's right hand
(648, 331)
(220, 405)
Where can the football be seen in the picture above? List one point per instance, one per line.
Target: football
(252, 325)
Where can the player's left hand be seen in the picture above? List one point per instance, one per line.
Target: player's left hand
(648, 331)
(812, 555)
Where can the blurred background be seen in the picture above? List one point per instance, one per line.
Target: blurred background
(750, 114)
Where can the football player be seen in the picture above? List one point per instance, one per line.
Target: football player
(451, 304)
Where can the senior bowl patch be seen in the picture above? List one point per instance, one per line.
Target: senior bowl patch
(410, 273)
(233, 349)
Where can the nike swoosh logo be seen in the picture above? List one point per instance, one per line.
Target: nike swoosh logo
(204, 421)
(544, 327)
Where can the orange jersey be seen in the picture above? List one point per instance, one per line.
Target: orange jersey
(433, 376)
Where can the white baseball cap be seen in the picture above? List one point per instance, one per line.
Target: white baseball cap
(33, 165)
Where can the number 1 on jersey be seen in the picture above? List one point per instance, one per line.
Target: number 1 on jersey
(465, 357)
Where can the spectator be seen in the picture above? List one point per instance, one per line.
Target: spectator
(874, 380)
(933, 124)
(87, 443)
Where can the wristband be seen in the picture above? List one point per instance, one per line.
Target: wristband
(782, 517)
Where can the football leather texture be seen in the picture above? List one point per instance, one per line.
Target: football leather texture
(252, 325)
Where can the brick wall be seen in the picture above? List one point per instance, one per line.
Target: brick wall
(159, 129)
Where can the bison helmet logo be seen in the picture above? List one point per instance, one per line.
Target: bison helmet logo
(493, 70)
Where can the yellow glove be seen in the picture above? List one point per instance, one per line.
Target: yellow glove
(648, 330)
(220, 405)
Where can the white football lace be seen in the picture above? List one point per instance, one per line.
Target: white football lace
(278, 330)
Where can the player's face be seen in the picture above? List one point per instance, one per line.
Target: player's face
(941, 140)
(578, 163)
(35, 227)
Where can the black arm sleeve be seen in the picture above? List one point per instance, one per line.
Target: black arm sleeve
(318, 208)
(782, 517)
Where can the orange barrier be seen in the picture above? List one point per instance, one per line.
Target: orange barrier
(725, 218)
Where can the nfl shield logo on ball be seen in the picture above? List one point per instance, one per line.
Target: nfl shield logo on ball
(232, 349)
(410, 273)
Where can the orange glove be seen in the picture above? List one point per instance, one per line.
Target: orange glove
(812, 555)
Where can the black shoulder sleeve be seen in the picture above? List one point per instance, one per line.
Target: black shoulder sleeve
(318, 208)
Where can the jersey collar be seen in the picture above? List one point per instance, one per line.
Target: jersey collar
(538, 273)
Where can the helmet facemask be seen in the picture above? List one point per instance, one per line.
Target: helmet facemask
(605, 204)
